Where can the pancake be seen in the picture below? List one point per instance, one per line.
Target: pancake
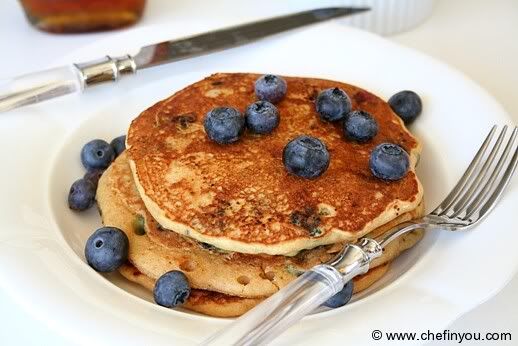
(221, 305)
(205, 302)
(239, 197)
(208, 268)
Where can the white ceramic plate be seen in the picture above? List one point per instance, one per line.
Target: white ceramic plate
(42, 265)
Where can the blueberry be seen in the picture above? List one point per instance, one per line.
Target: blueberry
(171, 289)
(407, 104)
(306, 157)
(270, 88)
(262, 117)
(93, 176)
(81, 195)
(341, 298)
(389, 162)
(97, 154)
(118, 145)
(224, 124)
(107, 249)
(360, 126)
(333, 104)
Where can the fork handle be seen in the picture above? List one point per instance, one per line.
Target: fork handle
(299, 298)
(277, 313)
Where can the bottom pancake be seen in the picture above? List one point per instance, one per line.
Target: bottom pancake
(202, 301)
(155, 251)
(222, 305)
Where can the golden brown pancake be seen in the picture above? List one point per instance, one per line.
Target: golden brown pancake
(155, 251)
(205, 302)
(239, 197)
(222, 305)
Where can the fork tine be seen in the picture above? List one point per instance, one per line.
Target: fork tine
(486, 208)
(502, 183)
(467, 174)
(462, 201)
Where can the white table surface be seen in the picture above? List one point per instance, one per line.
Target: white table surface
(478, 37)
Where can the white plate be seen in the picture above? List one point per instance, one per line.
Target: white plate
(42, 264)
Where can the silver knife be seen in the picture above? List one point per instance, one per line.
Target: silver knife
(44, 85)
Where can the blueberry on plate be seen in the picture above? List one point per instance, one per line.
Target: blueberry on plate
(171, 289)
(407, 104)
(306, 157)
(97, 154)
(118, 145)
(81, 195)
(107, 249)
(262, 117)
(389, 162)
(360, 126)
(93, 176)
(270, 88)
(224, 124)
(341, 298)
(333, 104)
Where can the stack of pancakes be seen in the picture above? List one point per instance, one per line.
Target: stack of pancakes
(230, 216)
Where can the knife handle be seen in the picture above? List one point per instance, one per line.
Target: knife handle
(40, 86)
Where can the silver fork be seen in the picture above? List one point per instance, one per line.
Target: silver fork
(474, 196)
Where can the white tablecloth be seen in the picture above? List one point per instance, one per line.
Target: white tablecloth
(478, 37)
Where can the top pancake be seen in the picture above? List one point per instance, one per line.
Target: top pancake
(239, 197)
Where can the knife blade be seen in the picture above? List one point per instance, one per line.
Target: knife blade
(170, 51)
(40, 86)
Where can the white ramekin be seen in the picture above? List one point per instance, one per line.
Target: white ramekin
(386, 17)
(389, 17)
